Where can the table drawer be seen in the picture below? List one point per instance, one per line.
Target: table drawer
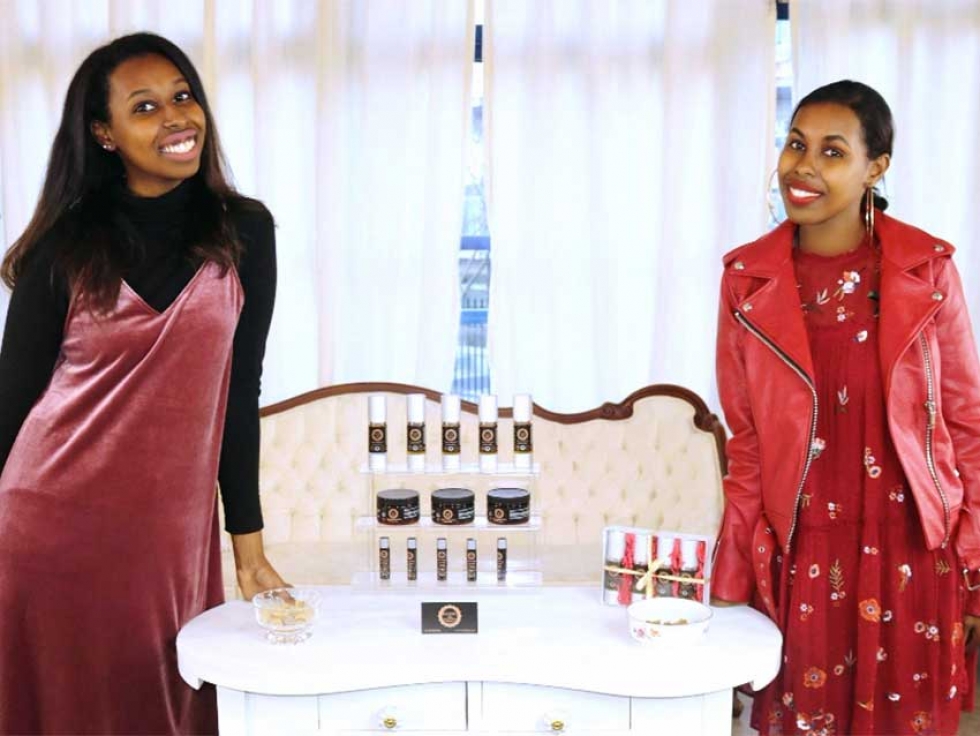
(530, 708)
(426, 708)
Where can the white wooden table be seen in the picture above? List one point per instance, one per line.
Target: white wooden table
(544, 661)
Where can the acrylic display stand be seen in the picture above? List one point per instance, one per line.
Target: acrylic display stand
(523, 561)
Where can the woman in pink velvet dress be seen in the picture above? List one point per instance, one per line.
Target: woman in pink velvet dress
(849, 378)
(129, 379)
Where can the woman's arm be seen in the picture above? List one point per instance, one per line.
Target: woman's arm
(733, 578)
(238, 471)
(31, 342)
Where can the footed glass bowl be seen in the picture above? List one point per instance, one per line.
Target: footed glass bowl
(286, 614)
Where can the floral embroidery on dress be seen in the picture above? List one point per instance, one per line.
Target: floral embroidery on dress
(814, 571)
(920, 721)
(874, 471)
(942, 568)
(836, 576)
(919, 677)
(847, 284)
(805, 610)
(817, 447)
(957, 634)
(897, 494)
(833, 509)
(842, 399)
(843, 314)
(930, 631)
(870, 610)
(814, 678)
(861, 336)
(904, 575)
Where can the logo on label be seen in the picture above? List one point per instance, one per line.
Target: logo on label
(450, 616)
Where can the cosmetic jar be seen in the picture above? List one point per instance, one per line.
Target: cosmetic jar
(508, 506)
(398, 506)
(452, 506)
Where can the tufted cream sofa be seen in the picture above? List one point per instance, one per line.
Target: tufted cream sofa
(654, 460)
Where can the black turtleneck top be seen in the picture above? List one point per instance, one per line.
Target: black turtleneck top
(160, 268)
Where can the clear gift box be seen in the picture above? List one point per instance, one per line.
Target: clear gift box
(646, 563)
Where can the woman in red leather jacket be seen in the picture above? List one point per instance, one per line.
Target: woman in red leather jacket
(849, 378)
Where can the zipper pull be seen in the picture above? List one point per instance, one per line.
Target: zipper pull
(931, 409)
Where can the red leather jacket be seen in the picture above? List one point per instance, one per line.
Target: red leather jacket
(765, 377)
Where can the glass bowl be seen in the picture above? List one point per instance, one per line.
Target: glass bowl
(286, 614)
(668, 620)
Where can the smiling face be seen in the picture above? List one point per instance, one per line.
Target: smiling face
(824, 169)
(155, 125)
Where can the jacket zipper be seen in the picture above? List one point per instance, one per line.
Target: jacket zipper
(930, 407)
(813, 417)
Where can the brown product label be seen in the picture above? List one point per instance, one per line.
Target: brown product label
(488, 438)
(377, 438)
(441, 564)
(523, 441)
(416, 438)
(412, 565)
(450, 439)
(385, 564)
(393, 514)
(499, 514)
(447, 515)
(501, 564)
(611, 580)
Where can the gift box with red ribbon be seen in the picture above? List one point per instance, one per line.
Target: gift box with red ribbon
(646, 563)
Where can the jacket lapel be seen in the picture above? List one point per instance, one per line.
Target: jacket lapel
(775, 308)
(908, 301)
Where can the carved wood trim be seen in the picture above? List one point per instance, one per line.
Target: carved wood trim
(704, 419)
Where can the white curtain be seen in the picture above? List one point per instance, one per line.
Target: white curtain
(923, 56)
(629, 145)
(346, 118)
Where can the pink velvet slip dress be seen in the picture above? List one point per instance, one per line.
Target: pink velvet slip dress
(108, 519)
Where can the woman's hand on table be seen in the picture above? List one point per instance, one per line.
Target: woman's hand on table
(255, 573)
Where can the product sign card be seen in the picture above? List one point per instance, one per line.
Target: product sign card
(449, 618)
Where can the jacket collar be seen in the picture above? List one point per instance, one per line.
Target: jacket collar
(907, 299)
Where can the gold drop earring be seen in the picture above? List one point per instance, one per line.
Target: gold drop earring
(869, 211)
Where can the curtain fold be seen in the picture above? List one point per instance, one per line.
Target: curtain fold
(629, 144)
(346, 118)
(924, 58)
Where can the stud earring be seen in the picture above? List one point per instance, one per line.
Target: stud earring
(108, 146)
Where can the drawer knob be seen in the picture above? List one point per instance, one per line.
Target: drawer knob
(390, 723)
(557, 726)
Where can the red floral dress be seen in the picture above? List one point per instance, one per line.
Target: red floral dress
(873, 621)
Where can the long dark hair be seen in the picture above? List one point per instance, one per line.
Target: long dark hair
(872, 112)
(76, 204)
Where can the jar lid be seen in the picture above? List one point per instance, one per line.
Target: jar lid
(398, 495)
(508, 496)
(452, 496)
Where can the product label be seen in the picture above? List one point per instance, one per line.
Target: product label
(450, 439)
(499, 514)
(488, 438)
(523, 441)
(470, 565)
(412, 565)
(501, 564)
(416, 438)
(377, 438)
(449, 618)
(385, 560)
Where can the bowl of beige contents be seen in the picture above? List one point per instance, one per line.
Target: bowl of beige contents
(286, 614)
(668, 620)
